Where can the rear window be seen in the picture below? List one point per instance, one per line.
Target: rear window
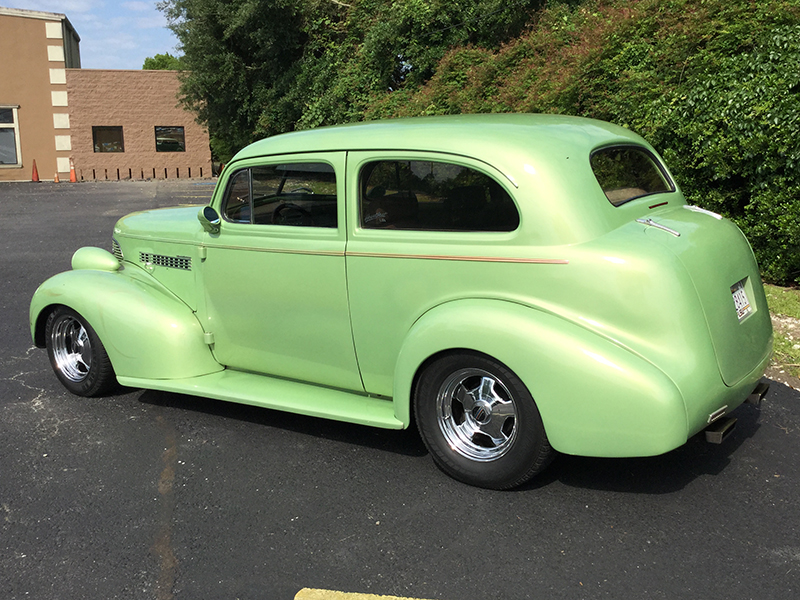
(628, 172)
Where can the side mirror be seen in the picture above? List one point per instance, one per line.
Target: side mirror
(209, 219)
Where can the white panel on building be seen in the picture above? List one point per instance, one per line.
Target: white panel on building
(59, 98)
(63, 142)
(62, 162)
(53, 31)
(55, 53)
(61, 121)
(58, 76)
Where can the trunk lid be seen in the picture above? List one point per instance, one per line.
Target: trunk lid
(722, 267)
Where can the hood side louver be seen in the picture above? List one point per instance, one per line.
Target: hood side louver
(116, 250)
(173, 262)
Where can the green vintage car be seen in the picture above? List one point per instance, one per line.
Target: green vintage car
(516, 285)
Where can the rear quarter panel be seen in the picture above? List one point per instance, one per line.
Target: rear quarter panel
(594, 397)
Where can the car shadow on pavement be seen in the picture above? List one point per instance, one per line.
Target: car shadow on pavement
(662, 474)
(406, 442)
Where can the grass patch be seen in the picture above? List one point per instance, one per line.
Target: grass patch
(784, 306)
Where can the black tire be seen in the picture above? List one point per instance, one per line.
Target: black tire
(77, 355)
(479, 422)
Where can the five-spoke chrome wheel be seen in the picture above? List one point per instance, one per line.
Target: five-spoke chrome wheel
(76, 354)
(72, 349)
(477, 414)
(479, 421)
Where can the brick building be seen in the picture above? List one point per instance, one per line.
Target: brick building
(111, 124)
(128, 125)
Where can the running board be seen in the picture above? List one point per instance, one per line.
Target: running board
(279, 394)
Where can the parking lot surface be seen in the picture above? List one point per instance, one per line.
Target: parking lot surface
(149, 495)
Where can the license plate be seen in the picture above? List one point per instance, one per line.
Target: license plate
(741, 301)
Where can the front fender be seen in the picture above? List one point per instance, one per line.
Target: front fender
(595, 397)
(147, 332)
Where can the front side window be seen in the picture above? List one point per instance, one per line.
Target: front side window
(170, 139)
(9, 137)
(108, 139)
(433, 196)
(298, 194)
(628, 172)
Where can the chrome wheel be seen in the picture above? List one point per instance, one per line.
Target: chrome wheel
(77, 355)
(72, 349)
(476, 414)
(479, 421)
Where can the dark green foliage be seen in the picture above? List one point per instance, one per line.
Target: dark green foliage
(238, 55)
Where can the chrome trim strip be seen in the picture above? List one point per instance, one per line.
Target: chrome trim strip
(489, 259)
(279, 250)
(498, 259)
(702, 210)
(717, 414)
(651, 223)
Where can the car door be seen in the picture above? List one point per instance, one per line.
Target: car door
(427, 228)
(275, 295)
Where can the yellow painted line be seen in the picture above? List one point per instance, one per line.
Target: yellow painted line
(309, 594)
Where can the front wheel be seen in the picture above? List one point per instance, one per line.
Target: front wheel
(479, 422)
(77, 355)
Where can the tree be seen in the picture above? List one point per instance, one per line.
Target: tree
(163, 62)
(237, 55)
(261, 67)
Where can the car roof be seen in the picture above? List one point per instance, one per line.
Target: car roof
(496, 136)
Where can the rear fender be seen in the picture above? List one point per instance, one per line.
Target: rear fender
(595, 397)
(147, 332)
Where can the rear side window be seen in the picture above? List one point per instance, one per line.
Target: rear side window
(298, 194)
(628, 172)
(433, 196)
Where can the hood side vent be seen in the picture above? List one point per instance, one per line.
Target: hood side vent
(173, 262)
(116, 250)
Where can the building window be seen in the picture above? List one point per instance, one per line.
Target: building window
(170, 139)
(9, 137)
(108, 139)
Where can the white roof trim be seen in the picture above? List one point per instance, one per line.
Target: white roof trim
(32, 14)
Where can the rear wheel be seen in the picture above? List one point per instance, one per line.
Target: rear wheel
(479, 422)
(77, 355)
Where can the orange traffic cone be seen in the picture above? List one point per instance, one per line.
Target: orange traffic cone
(72, 177)
(55, 178)
(35, 173)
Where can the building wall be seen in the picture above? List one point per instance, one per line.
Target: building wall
(138, 101)
(32, 77)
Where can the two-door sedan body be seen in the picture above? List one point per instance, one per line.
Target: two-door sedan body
(515, 284)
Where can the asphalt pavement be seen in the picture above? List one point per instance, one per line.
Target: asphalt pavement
(149, 495)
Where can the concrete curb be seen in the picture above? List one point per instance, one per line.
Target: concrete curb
(311, 594)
